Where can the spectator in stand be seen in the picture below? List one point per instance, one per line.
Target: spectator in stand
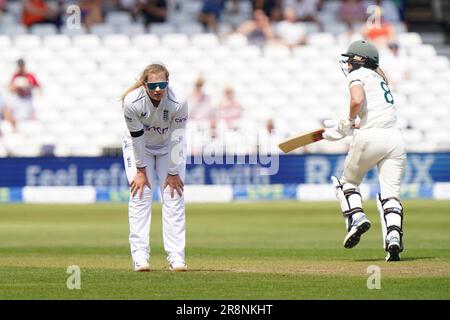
(91, 12)
(258, 30)
(38, 11)
(23, 72)
(154, 11)
(389, 11)
(351, 12)
(2, 6)
(200, 105)
(229, 109)
(305, 10)
(22, 85)
(380, 34)
(21, 101)
(131, 6)
(394, 65)
(271, 8)
(210, 13)
(290, 32)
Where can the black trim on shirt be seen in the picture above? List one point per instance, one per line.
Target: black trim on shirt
(354, 81)
(137, 134)
(140, 98)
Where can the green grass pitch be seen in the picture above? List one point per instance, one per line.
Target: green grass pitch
(265, 250)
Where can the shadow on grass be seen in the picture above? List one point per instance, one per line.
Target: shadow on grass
(402, 259)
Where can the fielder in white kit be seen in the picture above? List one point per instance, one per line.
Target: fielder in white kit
(378, 142)
(154, 150)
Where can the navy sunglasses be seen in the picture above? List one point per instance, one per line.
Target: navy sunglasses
(153, 85)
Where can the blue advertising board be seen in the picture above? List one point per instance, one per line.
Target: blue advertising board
(422, 168)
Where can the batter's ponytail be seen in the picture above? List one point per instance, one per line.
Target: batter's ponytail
(382, 74)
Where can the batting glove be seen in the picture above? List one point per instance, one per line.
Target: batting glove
(331, 132)
(346, 126)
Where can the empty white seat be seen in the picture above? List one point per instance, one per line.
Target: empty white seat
(40, 55)
(103, 29)
(14, 30)
(24, 150)
(233, 66)
(161, 29)
(249, 53)
(262, 66)
(116, 41)
(57, 42)
(190, 28)
(29, 127)
(437, 87)
(69, 31)
(84, 67)
(438, 135)
(408, 87)
(132, 29)
(311, 27)
(220, 53)
(91, 128)
(422, 76)
(5, 42)
(88, 41)
(205, 40)
(412, 136)
(304, 53)
(425, 124)
(175, 40)
(27, 41)
(43, 29)
(236, 41)
(86, 150)
(438, 63)
(80, 91)
(72, 54)
(145, 41)
(106, 139)
(101, 54)
(113, 67)
(408, 40)
(423, 52)
(321, 40)
(56, 67)
(335, 28)
(119, 18)
(67, 105)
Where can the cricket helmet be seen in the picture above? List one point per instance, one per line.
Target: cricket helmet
(362, 53)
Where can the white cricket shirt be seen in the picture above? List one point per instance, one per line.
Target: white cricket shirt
(378, 110)
(157, 130)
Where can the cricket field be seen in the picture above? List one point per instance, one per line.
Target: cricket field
(252, 251)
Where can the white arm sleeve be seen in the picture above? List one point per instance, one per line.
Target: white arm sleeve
(136, 129)
(177, 144)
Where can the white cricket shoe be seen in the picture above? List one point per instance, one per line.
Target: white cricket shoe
(141, 266)
(358, 227)
(393, 249)
(178, 266)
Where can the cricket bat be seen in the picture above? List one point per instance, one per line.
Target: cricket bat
(301, 140)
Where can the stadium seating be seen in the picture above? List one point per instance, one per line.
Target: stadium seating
(83, 76)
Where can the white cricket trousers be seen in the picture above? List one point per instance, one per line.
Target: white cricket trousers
(139, 210)
(383, 148)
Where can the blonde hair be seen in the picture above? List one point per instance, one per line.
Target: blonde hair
(156, 67)
(382, 74)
